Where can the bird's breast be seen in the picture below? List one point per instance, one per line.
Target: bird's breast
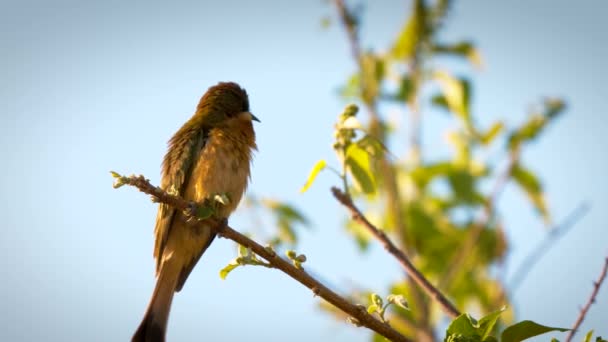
(222, 168)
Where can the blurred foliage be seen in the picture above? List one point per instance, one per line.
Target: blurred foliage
(440, 212)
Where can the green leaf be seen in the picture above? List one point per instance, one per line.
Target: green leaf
(376, 300)
(463, 185)
(537, 121)
(398, 300)
(372, 308)
(486, 324)
(524, 330)
(319, 166)
(231, 266)
(203, 212)
(588, 336)
(456, 94)
(411, 35)
(533, 189)
(464, 325)
(464, 49)
(372, 73)
(352, 88)
(406, 90)
(372, 145)
(492, 133)
(359, 166)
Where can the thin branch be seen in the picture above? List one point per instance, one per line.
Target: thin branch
(543, 247)
(358, 312)
(596, 288)
(411, 270)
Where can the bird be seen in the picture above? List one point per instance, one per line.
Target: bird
(209, 156)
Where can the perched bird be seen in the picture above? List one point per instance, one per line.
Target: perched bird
(209, 156)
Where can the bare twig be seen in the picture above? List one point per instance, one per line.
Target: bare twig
(596, 288)
(358, 312)
(411, 270)
(539, 251)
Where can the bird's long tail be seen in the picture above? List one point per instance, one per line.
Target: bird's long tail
(154, 324)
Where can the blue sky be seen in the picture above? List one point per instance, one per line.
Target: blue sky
(89, 87)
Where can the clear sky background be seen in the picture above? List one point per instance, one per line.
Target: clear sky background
(87, 87)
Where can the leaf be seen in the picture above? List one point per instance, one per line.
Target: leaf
(533, 189)
(406, 90)
(486, 324)
(493, 132)
(203, 212)
(588, 336)
(359, 166)
(398, 300)
(372, 308)
(424, 174)
(526, 329)
(231, 266)
(411, 34)
(463, 325)
(537, 121)
(352, 88)
(464, 49)
(456, 94)
(375, 299)
(372, 73)
(463, 185)
(319, 166)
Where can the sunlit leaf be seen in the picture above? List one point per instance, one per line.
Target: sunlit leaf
(359, 166)
(524, 330)
(486, 324)
(463, 185)
(530, 184)
(352, 88)
(537, 121)
(464, 325)
(231, 266)
(372, 71)
(424, 174)
(372, 145)
(319, 166)
(492, 133)
(464, 49)
(412, 33)
(398, 300)
(456, 94)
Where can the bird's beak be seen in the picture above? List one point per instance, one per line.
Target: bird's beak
(254, 118)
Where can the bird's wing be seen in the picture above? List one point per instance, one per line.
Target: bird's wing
(183, 151)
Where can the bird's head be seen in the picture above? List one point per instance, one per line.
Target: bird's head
(222, 102)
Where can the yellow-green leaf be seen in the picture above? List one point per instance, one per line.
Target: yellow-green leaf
(359, 166)
(524, 330)
(492, 133)
(412, 33)
(456, 95)
(319, 166)
(533, 189)
(465, 49)
(588, 336)
(231, 266)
